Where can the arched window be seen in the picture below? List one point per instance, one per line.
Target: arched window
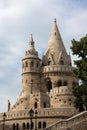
(49, 62)
(39, 125)
(44, 124)
(32, 125)
(35, 105)
(59, 83)
(31, 64)
(65, 83)
(23, 126)
(37, 65)
(44, 104)
(26, 64)
(27, 125)
(13, 126)
(49, 84)
(61, 62)
(17, 126)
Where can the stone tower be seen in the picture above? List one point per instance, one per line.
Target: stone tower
(57, 70)
(46, 86)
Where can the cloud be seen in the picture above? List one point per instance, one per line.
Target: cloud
(20, 18)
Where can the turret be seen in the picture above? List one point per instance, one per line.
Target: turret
(57, 70)
(31, 70)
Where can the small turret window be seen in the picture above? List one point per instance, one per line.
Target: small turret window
(61, 62)
(26, 64)
(37, 64)
(55, 33)
(32, 64)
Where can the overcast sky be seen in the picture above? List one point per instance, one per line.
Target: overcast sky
(20, 18)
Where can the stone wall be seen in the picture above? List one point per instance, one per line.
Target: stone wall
(78, 122)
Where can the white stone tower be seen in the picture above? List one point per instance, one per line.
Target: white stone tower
(57, 69)
(46, 87)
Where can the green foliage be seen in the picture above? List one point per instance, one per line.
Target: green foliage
(79, 48)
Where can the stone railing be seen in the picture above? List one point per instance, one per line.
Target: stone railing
(77, 122)
(47, 112)
(57, 68)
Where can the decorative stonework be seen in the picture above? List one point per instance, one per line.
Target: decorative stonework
(46, 86)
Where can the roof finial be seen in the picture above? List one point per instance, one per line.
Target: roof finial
(31, 37)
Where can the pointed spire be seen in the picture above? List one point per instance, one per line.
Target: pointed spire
(31, 43)
(31, 38)
(55, 40)
(31, 51)
(55, 46)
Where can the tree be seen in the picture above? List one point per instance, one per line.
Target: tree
(79, 48)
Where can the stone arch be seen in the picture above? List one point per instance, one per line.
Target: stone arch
(27, 125)
(37, 64)
(24, 126)
(44, 104)
(44, 124)
(17, 126)
(49, 62)
(59, 83)
(35, 105)
(39, 125)
(61, 62)
(48, 84)
(26, 64)
(32, 64)
(14, 126)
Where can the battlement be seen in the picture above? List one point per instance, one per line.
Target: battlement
(44, 112)
(57, 68)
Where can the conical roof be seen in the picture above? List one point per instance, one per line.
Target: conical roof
(55, 49)
(31, 52)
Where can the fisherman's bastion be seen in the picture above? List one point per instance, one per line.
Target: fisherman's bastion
(46, 100)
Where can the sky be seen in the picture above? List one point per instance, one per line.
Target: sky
(19, 19)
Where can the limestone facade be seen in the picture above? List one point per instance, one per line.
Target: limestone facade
(46, 87)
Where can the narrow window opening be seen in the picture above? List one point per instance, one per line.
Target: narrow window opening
(27, 125)
(26, 64)
(17, 126)
(13, 126)
(39, 125)
(35, 105)
(49, 85)
(44, 104)
(44, 124)
(23, 126)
